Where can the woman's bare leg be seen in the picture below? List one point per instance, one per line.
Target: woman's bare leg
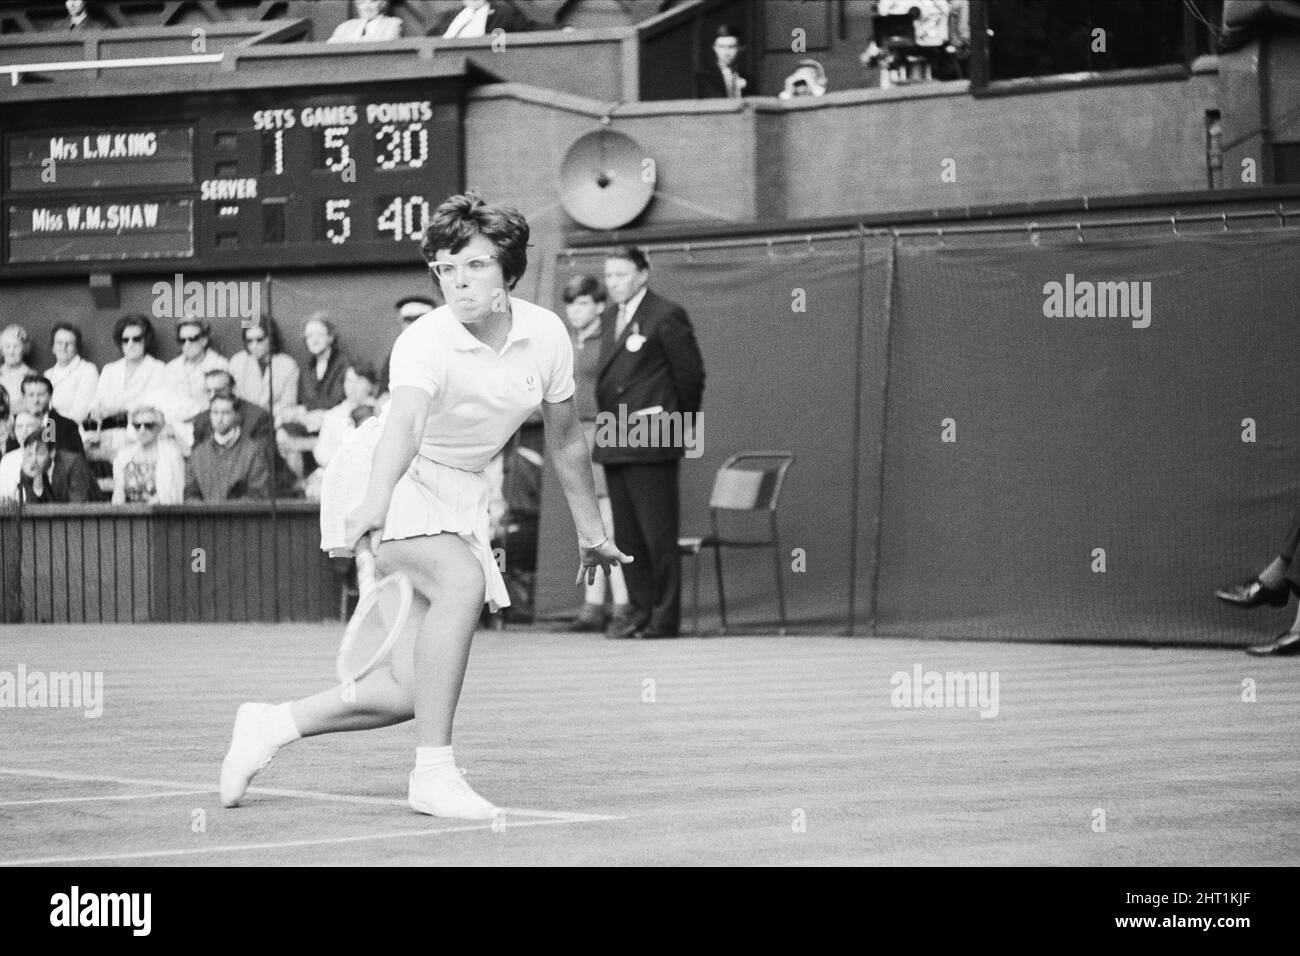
(447, 574)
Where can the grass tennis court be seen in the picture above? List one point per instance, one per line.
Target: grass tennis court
(737, 750)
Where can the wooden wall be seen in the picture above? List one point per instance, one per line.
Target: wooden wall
(103, 563)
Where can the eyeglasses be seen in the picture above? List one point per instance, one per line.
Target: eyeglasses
(187, 339)
(475, 268)
(149, 425)
(132, 338)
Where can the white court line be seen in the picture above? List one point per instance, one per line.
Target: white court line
(556, 815)
(116, 796)
(239, 848)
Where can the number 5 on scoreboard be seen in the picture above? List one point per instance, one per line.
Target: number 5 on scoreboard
(338, 224)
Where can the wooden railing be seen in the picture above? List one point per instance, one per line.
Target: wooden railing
(244, 561)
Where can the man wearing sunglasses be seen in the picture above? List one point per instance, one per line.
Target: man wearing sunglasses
(186, 372)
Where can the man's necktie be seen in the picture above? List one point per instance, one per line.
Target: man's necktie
(622, 320)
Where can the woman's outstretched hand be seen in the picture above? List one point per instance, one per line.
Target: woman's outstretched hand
(603, 556)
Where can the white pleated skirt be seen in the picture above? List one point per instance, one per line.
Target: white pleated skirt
(431, 498)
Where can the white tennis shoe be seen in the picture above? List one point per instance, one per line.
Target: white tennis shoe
(249, 754)
(448, 795)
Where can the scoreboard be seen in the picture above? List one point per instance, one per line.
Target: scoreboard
(233, 180)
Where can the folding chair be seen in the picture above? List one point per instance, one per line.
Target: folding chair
(747, 482)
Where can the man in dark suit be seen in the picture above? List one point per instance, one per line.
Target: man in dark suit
(50, 476)
(478, 18)
(62, 432)
(720, 79)
(650, 362)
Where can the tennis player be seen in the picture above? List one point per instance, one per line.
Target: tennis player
(464, 378)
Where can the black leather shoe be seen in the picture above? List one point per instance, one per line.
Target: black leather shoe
(1286, 645)
(655, 633)
(1252, 594)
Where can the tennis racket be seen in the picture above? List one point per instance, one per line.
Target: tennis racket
(383, 608)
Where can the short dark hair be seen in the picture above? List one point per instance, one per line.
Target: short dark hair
(460, 218)
(579, 286)
(224, 397)
(37, 378)
(66, 327)
(421, 299)
(229, 379)
(365, 370)
(205, 328)
(272, 330)
(138, 319)
(727, 30)
(35, 438)
(632, 254)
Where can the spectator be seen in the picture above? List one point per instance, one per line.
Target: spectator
(11, 463)
(370, 24)
(338, 423)
(150, 469)
(650, 362)
(584, 301)
(54, 477)
(134, 378)
(320, 380)
(808, 79)
(721, 78)
(186, 372)
(81, 17)
(74, 378)
(478, 18)
(263, 374)
(15, 343)
(228, 465)
(55, 429)
(409, 308)
(7, 441)
(256, 421)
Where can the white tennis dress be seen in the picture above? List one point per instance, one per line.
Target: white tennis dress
(479, 398)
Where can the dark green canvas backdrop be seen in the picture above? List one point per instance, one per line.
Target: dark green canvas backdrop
(1072, 433)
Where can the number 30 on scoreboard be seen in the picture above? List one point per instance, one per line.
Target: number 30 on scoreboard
(396, 217)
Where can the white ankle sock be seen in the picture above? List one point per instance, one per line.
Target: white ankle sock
(278, 725)
(435, 760)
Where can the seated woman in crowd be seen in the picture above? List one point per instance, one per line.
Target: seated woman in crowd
(74, 378)
(185, 373)
(320, 381)
(150, 469)
(135, 378)
(263, 374)
(359, 387)
(15, 343)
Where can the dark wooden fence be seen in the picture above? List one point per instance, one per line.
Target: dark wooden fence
(243, 561)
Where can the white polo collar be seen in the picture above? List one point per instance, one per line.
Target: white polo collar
(463, 340)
